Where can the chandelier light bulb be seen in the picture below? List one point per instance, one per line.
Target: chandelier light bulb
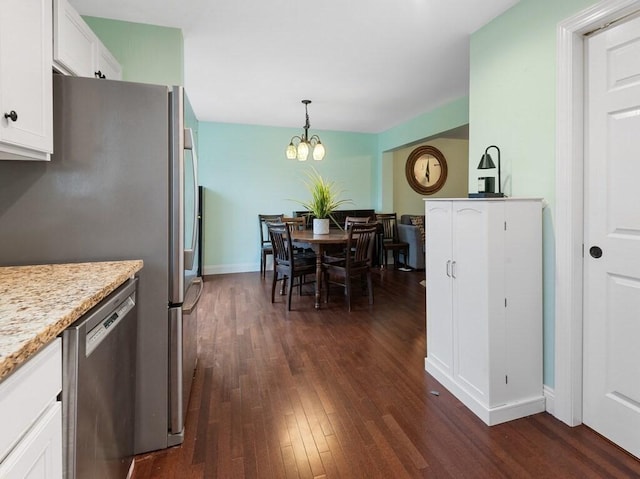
(291, 151)
(318, 151)
(303, 151)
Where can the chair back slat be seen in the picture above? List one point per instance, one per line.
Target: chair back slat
(389, 223)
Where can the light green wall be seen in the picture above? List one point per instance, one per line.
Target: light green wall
(245, 172)
(512, 105)
(456, 153)
(147, 53)
(446, 117)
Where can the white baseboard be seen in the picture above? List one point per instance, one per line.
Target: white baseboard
(231, 268)
(490, 415)
(550, 396)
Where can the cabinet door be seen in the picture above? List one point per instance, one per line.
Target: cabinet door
(26, 115)
(106, 64)
(73, 44)
(438, 277)
(470, 272)
(39, 454)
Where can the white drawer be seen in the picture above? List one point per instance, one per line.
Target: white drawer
(26, 393)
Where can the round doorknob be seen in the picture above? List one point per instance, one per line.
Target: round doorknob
(12, 115)
(595, 252)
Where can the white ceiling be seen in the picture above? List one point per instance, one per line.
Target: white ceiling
(367, 65)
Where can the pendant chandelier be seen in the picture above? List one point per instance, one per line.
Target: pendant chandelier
(305, 143)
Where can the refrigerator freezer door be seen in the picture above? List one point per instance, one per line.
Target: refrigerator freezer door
(176, 406)
(183, 342)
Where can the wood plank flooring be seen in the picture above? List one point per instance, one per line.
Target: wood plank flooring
(328, 394)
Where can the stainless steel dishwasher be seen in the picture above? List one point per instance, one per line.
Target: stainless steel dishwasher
(98, 388)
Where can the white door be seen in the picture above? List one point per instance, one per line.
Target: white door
(611, 401)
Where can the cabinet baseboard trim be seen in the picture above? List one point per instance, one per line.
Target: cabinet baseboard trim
(490, 416)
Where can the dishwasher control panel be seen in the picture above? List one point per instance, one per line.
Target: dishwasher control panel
(97, 334)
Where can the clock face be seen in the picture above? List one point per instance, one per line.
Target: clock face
(426, 170)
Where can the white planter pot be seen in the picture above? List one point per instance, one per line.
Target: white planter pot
(321, 227)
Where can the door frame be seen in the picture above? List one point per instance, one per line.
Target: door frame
(569, 209)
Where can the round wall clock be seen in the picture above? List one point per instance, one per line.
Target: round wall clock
(426, 170)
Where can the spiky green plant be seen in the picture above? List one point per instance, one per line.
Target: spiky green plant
(324, 196)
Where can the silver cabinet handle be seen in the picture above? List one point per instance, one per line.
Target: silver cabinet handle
(448, 268)
(453, 269)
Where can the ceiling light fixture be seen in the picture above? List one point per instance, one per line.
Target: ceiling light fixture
(301, 150)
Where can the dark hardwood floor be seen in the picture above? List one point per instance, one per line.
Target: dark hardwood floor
(325, 394)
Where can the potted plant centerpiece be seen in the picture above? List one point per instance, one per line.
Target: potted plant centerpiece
(324, 201)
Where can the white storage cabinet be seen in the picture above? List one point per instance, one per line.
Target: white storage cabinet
(26, 97)
(31, 417)
(76, 49)
(484, 303)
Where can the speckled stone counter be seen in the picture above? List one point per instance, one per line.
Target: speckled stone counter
(38, 302)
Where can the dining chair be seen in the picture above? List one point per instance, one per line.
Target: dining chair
(390, 241)
(286, 264)
(265, 242)
(349, 220)
(297, 222)
(356, 265)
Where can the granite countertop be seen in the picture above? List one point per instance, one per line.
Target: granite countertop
(38, 302)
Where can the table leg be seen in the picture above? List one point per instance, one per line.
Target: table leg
(319, 251)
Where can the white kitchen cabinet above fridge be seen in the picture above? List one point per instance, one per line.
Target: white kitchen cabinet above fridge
(76, 49)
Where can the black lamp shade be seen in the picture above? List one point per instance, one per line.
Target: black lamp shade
(486, 163)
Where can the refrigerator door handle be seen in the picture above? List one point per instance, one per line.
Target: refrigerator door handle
(190, 253)
(176, 423)
(190, 306)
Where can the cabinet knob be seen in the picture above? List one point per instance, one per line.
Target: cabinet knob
(99, 74)
(595, 252)
(12, 115)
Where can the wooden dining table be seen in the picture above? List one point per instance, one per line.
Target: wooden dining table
(319, 244)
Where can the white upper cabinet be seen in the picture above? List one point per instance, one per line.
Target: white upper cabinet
(76, 49)
(26, 98)
(73, 50)
(106, 64)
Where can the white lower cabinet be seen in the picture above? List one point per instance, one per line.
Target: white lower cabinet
(31, 417)
(39, 454)
(484, 303)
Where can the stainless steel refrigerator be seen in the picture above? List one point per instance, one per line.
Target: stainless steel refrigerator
(121, 184)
